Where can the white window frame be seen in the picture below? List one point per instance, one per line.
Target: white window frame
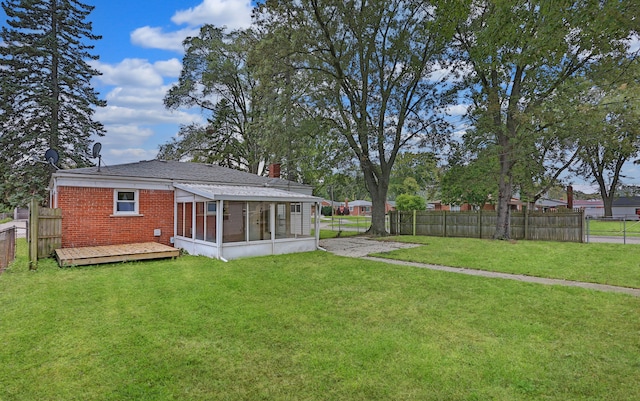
(136, 203)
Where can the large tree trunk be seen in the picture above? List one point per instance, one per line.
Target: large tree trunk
(378, 187)
(378, 226)
(608, 205)
(505, 191)
(503, 222)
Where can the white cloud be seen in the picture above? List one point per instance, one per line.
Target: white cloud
(634, 43)
(130, 155)
(169, 68)
(143, 116)
(133, 72)
(155, 38)
(457, 109)
(234, 14)
(450, 73)
(131, 134)
(586, 188)
(128, 96)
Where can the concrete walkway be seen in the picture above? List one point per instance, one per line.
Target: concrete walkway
(361, 247)
(20, 225)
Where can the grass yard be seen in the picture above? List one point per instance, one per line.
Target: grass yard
(613, 228)
(614, 264)
(324, 234)
(310, 326)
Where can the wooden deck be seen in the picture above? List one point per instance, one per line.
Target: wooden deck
(114, 253)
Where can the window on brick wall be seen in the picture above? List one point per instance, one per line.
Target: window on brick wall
(125, 201)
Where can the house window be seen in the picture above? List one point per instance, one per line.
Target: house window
(125, 201)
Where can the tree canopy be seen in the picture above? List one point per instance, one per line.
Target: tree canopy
(610, 135)
(369, 63)
(519, 55)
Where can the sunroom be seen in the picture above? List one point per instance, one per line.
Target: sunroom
(230, 222)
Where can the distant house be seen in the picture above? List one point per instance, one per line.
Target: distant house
(363, 207)
(546, 205)
(204, 209)
(514, 204)
(626, 207)
(593, 208)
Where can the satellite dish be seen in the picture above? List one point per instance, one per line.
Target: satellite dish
(51, 156)
(96, 149)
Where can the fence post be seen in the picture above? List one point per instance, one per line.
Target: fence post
(444, 223)
(33, 234)
(480, 222)
(414, 222)
(526, 222)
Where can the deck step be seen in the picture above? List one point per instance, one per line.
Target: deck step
(93, 255)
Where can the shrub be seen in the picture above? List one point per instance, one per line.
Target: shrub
(406, 202)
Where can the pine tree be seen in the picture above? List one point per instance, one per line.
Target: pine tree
(46, 97)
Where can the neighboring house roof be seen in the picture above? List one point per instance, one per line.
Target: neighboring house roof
(356, 203)
(244, 193)
(627, 201)
(550, 203)
(591, 203)
(180, 172)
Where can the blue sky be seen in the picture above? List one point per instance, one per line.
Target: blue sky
(140, 57)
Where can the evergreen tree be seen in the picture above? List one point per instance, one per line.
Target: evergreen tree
(46, 97)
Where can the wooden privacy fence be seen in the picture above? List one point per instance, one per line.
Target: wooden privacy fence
(549, 226)
(45, 232)
(7, 247)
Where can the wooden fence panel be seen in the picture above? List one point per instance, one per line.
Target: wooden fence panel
(49, 231)
(45, 232)
(550, 226)
(7, 247)
(430, 224)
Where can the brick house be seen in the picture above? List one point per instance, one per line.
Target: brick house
(204, 209)
(363, 207)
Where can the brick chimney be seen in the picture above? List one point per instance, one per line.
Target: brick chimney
(274, 170)
(570, 197)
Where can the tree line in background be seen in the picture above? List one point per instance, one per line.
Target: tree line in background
(352, 97)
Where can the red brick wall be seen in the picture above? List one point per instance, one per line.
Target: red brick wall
(87, 217)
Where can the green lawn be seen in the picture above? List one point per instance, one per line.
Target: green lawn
(351, 221)
(324, 234)
(613, 228)
(614, 264)
(309, 326)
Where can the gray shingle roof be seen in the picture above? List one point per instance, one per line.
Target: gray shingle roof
(182, 172)
(627, 201)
